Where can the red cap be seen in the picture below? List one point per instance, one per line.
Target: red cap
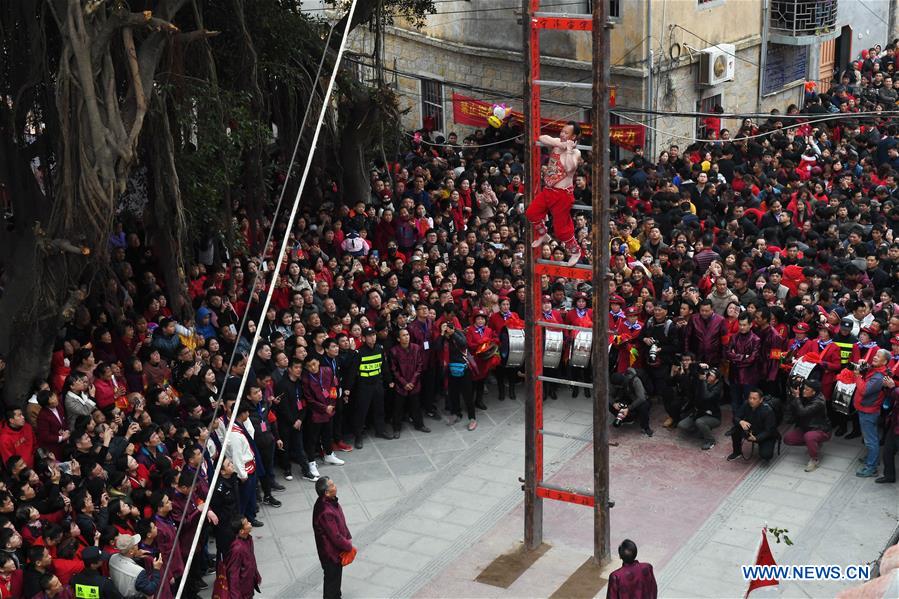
(547, 299)
(632, 311)
(868, 330)
(478, 312)
(616, 299)
(801, 328)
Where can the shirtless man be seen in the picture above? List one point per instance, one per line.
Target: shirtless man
(557, 195)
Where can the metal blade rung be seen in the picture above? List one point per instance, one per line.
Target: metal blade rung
(578, 496)
(566, 84)
(566, 21)
(579, 146)
(582, 207)
(565, 436)
(567, 327)
(551, 379)
(581, 272)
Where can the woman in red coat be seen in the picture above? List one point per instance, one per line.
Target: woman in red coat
(580, 316)
(499, 321)
(830, 360)
(52, 431)
(627, 338)
(480, 340)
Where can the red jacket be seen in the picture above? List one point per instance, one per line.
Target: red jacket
(49, 428)
(19, 442)
(332, 537)
(475, 339)
(632, 580)
(241, 570)
(319, 392)
(407, 365)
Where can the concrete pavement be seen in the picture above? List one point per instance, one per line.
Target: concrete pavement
(429, 511)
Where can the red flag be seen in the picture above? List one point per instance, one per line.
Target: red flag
(763, 558)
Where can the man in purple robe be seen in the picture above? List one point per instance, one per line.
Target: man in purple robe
(239, 570)
(632, 580)
(703, 335)
(332, 537)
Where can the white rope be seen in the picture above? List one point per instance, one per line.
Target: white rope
(265, 305)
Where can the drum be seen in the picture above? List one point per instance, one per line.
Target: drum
(511, 347)
(581, 348)
(552, 349)
(802, 369)
(842, 397)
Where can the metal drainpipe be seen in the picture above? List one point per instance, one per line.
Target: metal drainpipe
(648, 103)
(763, 55)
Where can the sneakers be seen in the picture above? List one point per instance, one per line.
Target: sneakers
(648, 432)
(884, 479)
(539, 241)
(333, 460)
(358, 443)
(256, 523)
(452, 419)
(812, 465)
(313, 469)
(854, 434)
(310, 477)
(669, 422)
(288, 475)
(341, 446)
(423, 429)
(707, 445)
(276, 486)
(271, 501)
(866, 472)
(472, 424)
(735, 455)
(479, 404)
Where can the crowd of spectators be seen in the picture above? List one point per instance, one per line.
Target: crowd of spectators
(734, 258)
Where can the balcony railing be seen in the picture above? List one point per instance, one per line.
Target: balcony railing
(801, 18)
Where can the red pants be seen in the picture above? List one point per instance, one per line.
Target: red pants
(811, 439)
(557, 202)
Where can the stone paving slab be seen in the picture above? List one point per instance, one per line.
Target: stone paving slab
(428, 512)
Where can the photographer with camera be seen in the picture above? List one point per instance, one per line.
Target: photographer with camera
(628, 401)
(757, 423)
(661, 340)
(872, 383)
(809, 416)
(684, 382)
(704, 413)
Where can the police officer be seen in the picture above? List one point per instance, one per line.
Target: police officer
(90, 582)
(366, 375)
(845, 340)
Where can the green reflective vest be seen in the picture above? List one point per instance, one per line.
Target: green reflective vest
(370, 365)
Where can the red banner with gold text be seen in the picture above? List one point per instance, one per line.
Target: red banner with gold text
(473, 112)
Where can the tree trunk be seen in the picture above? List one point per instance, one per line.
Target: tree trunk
(166, 220)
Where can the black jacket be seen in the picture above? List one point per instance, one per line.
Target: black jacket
(762, 420)
(92, 578)
(291, 392)
(809, 415)
(708, 399)
(351, 372)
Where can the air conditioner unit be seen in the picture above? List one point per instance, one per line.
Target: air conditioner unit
(716, 64)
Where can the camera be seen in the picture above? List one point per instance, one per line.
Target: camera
(620, 416)
(862, 367)
(654, 350)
